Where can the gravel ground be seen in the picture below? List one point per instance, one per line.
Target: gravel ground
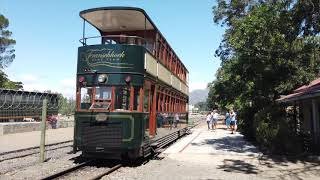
(29, 167)
(6, 156)
(41, 170)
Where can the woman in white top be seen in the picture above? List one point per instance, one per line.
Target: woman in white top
(215, 119)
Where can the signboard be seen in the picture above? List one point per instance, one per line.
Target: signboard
(111, 58)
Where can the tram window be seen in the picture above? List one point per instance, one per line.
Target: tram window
(103, 92)
(122, 98)
(149, 46)
(86, 96)
(146, 100)
(102, 97)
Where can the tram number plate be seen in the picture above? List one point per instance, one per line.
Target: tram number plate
(101, 117)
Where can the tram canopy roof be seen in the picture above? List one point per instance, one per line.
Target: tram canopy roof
(113, 19)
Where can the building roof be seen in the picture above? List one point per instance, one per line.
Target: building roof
(310, 90)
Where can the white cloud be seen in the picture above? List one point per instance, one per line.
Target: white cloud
(68, 87)
(32, 82)
(68, 82)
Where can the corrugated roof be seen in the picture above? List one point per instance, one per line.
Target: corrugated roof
(303, 92)
(315, 82)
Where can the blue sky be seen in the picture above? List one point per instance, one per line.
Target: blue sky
(48, 33)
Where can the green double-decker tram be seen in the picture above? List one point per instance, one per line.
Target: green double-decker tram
(132, 89)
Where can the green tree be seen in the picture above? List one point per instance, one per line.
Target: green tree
(66, 106)
(6, 54)
(202, 106)
(268, 49)
(6, 43)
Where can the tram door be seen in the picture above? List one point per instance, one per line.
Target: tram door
(150, 106)
(153, 112)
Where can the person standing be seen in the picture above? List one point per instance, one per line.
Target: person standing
(208, 119)
(159, 120)
(52, 121)
(215, 119)
(228, 120)
(233, 122)
(176, 120)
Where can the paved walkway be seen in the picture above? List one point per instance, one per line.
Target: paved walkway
(11, 142)
(217, 155)
(221, 155)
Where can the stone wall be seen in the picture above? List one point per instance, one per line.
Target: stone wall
(19, 127)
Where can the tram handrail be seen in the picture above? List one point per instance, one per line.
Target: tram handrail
(133, 39)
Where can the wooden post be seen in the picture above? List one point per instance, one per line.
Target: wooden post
(315, 118)
(43, 130)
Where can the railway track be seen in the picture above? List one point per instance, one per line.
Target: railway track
(5, 156)
(81, 166)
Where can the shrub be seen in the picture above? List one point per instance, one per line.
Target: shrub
(273, 133)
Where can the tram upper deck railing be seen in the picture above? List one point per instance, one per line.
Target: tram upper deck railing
(116, 39)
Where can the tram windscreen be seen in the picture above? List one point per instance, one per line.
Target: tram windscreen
(86, 96)
(103, 93)
(102, 97)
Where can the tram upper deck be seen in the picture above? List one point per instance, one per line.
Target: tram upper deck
(123, 31)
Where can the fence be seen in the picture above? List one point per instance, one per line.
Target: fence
(16, 105)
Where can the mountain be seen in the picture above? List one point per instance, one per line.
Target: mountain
(198, 95)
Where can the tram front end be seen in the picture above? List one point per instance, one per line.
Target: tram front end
(109, 122)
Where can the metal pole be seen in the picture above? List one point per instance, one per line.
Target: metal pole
(43, 130)
(145, 33)
(83, 32)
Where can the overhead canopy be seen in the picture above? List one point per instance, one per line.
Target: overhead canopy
(112, 19)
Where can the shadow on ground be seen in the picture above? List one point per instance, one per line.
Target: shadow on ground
(232, 165)
(234, 143)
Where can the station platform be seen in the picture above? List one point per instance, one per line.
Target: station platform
(219, 141)
(12, 142)
(218, 154)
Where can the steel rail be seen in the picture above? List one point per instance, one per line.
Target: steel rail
(34, 147)
(107, 172)
(66, 171)
(29, 154)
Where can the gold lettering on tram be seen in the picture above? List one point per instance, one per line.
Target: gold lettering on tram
(105, 57)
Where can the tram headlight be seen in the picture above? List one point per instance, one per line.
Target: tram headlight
(102, 78)
(128, 79)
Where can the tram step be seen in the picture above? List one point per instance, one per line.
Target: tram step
(159, 150)
(154, 145)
